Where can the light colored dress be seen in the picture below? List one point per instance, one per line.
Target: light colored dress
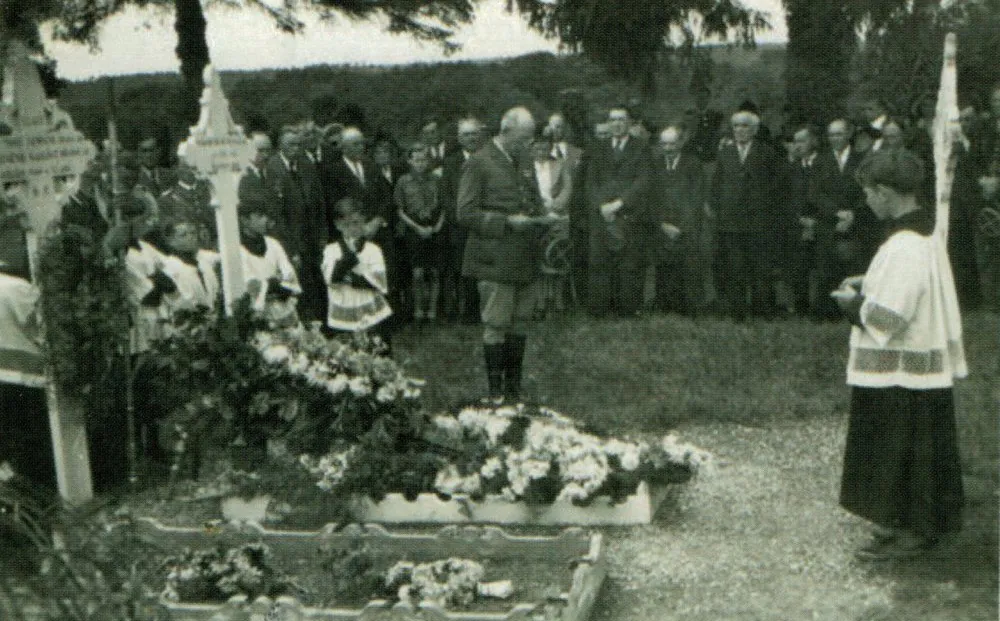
(353, 308)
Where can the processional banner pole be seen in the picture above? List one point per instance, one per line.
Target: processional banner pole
(945, 129)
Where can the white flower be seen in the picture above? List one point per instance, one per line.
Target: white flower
(276, 354)
(338, 384)
(628, 453)
(573, 491)
(491, 467)
(450, 481)
(360, 386)
(385, 394)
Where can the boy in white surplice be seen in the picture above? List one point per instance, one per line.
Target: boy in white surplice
(354, 271)
(193, 269)
(271, 280)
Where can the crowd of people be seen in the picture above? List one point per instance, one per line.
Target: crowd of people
(699, 215)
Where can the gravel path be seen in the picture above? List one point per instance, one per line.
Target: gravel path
(759, 537)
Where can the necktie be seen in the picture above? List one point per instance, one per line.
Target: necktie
(359, 172)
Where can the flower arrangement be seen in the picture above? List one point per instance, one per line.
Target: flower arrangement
(445, 583)
(533, 455)
(234, 381)
(216, 574)
(542, 456)
(363, 385)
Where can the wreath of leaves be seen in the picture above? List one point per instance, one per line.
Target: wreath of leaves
(84, 306)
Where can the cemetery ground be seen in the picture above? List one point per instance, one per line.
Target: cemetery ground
(759, 536)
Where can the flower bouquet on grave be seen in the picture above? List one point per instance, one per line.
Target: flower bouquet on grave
(216, 574)
(534, 456)
(447, 583)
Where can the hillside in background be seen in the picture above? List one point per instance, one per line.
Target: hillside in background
(398, 99)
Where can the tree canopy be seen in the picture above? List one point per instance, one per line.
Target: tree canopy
(629, 37)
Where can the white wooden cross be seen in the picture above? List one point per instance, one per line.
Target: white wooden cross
(40, 159)
(218, 148)
(44, 154)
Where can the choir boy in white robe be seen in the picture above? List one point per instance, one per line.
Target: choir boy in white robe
(193, 269)
(271, 280)
(355, 274)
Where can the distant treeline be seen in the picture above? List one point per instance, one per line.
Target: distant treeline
(399, 100)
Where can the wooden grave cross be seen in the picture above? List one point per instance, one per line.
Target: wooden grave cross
(218, 148)
(41, 156)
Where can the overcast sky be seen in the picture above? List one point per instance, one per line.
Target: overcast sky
(143, 42)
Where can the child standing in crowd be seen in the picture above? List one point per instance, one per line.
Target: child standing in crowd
(271, 280)
(421, 219)
(355, 275)
(192, 268)
(901, 464)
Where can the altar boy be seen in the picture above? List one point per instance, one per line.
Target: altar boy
(193, 269)
(355, 275)
(271, 280)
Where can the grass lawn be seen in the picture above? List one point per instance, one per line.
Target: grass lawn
(759, 536)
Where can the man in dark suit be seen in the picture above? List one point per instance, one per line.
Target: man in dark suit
(847, 232)
(253, 182)
(616, 187)
(677, 210)
(461, 295)
(499, 205)
(155, 178)
(302, 221)
(431, 136)
(352, 175)
(747, 200)
(800, 262)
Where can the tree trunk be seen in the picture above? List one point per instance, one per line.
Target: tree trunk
(820, 43)
(192, 51)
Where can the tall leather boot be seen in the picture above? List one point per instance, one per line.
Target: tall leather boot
(494, 356)
(513, 359)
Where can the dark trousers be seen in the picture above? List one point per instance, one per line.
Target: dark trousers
(459, 294)
(614, 280)
(579, 248)
(744, 274)
(679, 287)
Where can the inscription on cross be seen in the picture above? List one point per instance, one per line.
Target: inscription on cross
(219, 149)
(41, 156)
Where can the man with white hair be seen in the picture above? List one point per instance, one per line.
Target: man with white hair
(747, 199)
(352, 174)
(499, 205)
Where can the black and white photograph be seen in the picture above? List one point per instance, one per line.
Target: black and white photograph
(499, 310)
